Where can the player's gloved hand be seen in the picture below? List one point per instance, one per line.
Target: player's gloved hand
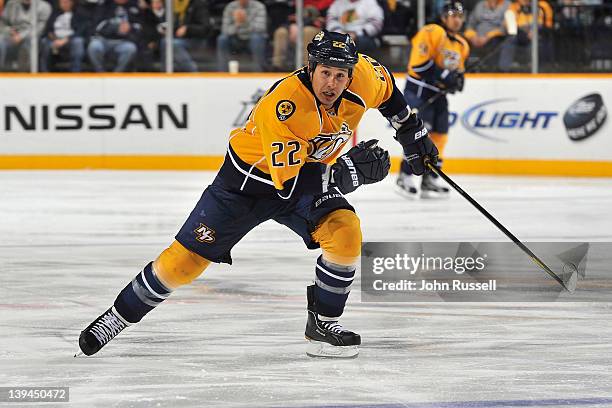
(451, 80)
(418, 147)
(365, 163)
(460, 82)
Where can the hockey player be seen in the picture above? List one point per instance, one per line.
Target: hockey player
(437, 63)
(283, 165)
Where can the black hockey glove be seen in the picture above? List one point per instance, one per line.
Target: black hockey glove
(418, 147)
(452, 81)
(365, 163)
(460, 82)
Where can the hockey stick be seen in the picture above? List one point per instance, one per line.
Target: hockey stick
(568, 284)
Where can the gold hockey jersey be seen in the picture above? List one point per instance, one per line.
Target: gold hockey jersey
(289, 136)
(433, 51)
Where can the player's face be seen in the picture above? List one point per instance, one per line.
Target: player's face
(328, 83)
(453, 22)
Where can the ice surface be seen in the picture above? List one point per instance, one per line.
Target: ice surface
(69, 241)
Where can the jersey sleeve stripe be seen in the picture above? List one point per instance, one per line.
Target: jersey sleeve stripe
(423, 67)
(422, 84)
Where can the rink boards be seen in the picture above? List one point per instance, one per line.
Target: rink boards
(520, 124)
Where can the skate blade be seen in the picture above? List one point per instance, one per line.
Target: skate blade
(79, 354)
(406, 194)
(320, 349)
(434, 195)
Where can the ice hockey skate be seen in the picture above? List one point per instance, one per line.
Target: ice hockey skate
(102, 330)
(406, 186)
(327, 338)
(432, 186)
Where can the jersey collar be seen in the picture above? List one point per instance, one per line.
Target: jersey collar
(451, 36)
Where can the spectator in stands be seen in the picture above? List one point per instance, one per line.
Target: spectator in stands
(321, 5)
(64, 33)
(287, 34)
(400, 17)
(601, 48)
(192, 28)
(153, 29)
(362, 19)
(485, 28)
(88, 9)
(16, 32)
(244, 27)
(277, 13)
(117, 32)
(522, 41)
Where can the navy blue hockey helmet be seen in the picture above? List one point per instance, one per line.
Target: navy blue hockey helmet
(333, 49)
(451, 8)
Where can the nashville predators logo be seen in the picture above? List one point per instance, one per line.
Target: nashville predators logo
(284, 110)
(205, 234)
(451, 59)
(326, 144)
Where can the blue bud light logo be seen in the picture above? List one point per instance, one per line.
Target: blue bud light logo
(489, 121)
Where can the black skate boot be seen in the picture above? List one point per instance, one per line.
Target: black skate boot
(327, 338)
(101, 331)
(433, 186)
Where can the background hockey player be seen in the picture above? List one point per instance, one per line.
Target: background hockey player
(437, 63)
(283, 165)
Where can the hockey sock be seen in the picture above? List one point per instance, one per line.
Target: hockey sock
(141, 295)
(332, 287)
(440, 140)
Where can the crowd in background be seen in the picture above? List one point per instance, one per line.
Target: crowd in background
(129, 35)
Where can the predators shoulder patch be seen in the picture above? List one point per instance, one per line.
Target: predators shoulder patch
(284, 109)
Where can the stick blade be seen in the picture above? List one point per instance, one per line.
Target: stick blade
(570, 277)
(574, 265)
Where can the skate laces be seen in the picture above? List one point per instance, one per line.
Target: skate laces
(107, 327)
(333, 327)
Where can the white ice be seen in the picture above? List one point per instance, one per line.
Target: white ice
(69, 241)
